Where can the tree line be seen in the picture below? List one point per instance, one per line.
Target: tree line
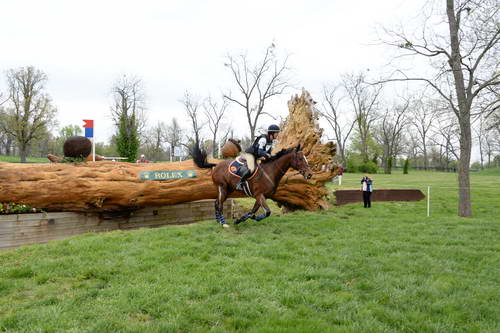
(372, 131)
(28, 116)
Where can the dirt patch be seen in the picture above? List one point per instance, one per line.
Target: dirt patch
(347, 196)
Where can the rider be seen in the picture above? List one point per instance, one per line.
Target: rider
(261, 148)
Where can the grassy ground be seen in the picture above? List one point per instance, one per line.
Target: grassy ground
(17, 159)
(348, 269)
(490, 172)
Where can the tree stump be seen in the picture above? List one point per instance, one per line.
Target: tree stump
(302, 127)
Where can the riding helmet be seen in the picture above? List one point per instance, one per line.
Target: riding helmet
(273, 128)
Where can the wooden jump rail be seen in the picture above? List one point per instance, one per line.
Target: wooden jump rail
(24, 229)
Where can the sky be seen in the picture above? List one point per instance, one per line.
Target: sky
(177, 46)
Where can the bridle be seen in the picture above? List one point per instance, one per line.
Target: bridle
(283, 172)
(303, 172)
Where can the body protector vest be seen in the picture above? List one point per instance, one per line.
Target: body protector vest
(261, 146)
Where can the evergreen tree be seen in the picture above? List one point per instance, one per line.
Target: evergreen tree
(128, 116)
(405, 168)
(127, 141)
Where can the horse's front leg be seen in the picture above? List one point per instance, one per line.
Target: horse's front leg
(261, 200)
(219, 206)
(250, 214)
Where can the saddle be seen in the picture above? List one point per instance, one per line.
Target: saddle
(236, 166)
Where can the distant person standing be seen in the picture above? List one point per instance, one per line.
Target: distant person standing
(367, 188)
(142, 159)
(340, 173)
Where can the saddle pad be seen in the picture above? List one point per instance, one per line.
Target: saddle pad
(235, 168)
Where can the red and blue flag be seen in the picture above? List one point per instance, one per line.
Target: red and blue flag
(89, 128)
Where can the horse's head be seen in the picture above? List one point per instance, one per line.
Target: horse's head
(299, 163)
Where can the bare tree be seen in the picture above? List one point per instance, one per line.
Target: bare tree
(412, 146)
(480, 131)
(192, 108)
(130, 99)
(5, 139)
(468, 59)
(491, 144)
(423, 114)
(494, 119)
(214, 112)
(389, 133)
(333, 115)
(227, 133)
(3, 99)
(487, 121)
(29, 113)
(491, 137)
(153, 141)
(364, 100)
(489, 106)
(173, 136)
(445, 137)
(257, 83)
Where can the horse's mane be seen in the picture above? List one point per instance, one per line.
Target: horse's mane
(279, 154)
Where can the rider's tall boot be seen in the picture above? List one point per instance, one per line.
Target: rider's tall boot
(243, 179)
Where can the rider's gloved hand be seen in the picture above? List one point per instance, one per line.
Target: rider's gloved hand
(268, 155)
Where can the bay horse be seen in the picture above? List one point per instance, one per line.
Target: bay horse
(262, 184)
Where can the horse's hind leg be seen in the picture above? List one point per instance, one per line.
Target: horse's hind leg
(250, 214)
(261, 200)
(219, 206)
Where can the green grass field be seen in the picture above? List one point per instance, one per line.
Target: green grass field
(348, 269)
(16, 159)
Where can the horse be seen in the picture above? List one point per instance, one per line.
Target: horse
(261, 185)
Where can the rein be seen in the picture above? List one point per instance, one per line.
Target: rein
(284, 172)
(269, 178)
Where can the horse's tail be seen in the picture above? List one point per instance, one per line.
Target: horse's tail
(200, 158)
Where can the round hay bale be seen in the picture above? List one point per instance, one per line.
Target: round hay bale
(231, 148)
(77, 146)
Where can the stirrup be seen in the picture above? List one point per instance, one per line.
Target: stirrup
(239, 186)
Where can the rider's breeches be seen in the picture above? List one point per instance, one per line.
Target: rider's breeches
(250, 160)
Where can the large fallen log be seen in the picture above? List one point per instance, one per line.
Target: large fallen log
(114, 186)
